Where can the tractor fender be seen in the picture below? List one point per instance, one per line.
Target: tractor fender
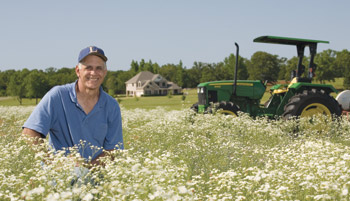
(301, 86)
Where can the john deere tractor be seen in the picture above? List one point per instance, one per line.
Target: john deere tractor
(299, 98)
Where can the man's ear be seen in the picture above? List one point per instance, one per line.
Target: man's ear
(77, 70)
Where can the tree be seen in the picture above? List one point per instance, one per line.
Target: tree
(62, 76)
(179, 74)
(16, 85)
(142, 65)
(342, 66)
(230, 65)
(111, 84)
(288, 66)
(149, 66)
(3, 85)
(36, 84)
(168, 71)
(121, 78)
(134, 67)
(264, 66)
(208, 73)
(193, 75)
(156, 68)
(325, 65)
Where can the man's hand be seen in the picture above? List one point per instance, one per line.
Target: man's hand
(97, 161)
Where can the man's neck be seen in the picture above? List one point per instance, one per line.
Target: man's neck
(86, 93)
(87, 98)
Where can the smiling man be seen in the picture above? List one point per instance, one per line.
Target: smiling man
(80, 114)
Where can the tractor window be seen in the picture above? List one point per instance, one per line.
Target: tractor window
(212, 96)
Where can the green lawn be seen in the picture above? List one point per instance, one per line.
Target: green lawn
(12, 101)
(152, 102)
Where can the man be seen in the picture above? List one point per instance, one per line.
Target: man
(80, 114)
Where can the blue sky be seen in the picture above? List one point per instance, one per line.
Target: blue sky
(39, 34)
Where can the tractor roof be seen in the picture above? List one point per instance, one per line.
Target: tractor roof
(287, 41)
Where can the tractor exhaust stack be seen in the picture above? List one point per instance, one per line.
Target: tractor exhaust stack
(236, 70)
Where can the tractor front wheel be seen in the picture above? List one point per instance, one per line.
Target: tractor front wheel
(311, 102)
(227, 108)
(194, 107)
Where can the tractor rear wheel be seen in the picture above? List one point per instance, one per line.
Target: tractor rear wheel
(227, 108)
(311, 102)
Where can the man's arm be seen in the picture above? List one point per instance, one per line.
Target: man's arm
(35, 135)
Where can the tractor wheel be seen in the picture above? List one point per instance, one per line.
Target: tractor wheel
(194, 107)
(311, 102)
(227, 108)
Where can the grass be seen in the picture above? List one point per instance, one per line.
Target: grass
(12, 101)
(152, 102)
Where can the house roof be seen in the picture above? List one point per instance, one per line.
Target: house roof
(147, 78)
(141, 76)
(173, 86)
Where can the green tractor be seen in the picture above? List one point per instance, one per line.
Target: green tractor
(299, 98)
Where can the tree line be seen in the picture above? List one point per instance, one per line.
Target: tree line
(261, 66)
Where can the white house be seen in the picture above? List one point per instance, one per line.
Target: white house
(147, 83)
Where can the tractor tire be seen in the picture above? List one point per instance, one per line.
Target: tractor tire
(227, 108)
(194, 107)
(311, 102)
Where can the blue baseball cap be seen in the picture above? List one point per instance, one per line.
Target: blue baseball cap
(92, 50)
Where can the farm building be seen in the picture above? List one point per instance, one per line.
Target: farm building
(147, 83)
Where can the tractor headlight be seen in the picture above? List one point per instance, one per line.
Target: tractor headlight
(200, 90)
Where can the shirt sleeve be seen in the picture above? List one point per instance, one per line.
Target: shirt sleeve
(40, 120)
(114, 137)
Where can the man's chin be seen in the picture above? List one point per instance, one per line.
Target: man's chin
(93, 85)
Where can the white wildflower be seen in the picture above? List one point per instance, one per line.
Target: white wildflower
(182, 189)
(88, 197)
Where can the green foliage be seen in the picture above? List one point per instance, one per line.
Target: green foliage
(342, 66)
(325, 65)
(36, 84)
(264, 66)
(229, 66)
(17, 86)
(170, 94)
(111, 84)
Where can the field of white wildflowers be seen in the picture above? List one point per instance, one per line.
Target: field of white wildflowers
(180, 155)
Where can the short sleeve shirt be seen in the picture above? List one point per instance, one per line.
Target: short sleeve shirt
(60, 115)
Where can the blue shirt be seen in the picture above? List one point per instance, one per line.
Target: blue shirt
(60, 115)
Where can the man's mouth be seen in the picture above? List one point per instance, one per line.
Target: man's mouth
(93, 79)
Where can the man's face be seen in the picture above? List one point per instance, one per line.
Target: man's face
(92, 73)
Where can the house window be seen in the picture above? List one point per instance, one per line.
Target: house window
(163, 84)
(139, 84)
(132, 84)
